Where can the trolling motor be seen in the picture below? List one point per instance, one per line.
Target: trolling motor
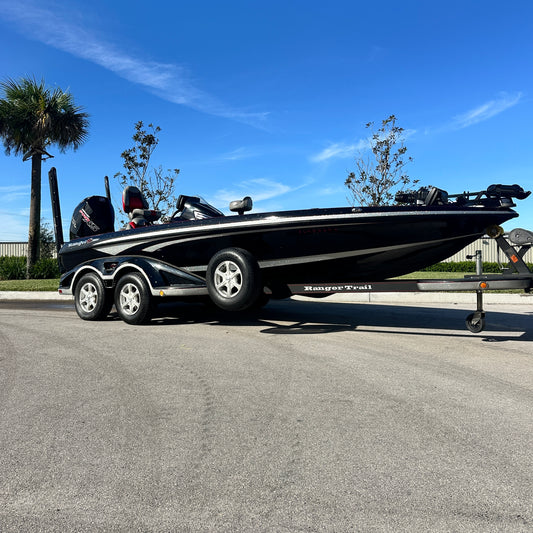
(498, 194)
(424, 196)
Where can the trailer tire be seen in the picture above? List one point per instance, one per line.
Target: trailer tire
(91, 299)
(234, 279)
(133, 301)
(475, 323)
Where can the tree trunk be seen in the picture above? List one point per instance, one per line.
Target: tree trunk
(35, 213)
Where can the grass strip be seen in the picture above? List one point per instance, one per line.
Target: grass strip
(29, 285)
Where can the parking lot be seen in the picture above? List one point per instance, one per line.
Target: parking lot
(305, 416)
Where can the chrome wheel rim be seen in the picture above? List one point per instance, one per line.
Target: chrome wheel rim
(88, 297)
(130, 299)
(228, 279)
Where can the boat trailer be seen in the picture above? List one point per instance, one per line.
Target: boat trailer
(516, 276)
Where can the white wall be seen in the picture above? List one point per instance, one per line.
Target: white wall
(489, 252)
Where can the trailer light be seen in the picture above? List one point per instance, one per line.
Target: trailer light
(483, 285)
(161, 293)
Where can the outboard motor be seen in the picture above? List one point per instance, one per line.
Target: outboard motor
(94, 215)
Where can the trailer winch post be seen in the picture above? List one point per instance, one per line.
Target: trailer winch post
(515, 257)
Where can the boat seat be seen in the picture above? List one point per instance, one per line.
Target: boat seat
(241, 206)
(135, 206)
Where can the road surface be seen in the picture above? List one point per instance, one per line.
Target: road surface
(307, 416)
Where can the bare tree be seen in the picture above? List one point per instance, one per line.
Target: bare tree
(156, 185)
(379, 175)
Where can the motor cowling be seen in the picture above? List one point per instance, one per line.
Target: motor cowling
(92, 216)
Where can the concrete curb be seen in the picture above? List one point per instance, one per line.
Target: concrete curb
(33, 295)
(360, 297)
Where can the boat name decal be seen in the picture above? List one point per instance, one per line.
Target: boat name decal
(314, 231)
(74, 244)
(338, 288)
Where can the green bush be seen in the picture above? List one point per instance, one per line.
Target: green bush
(460, 266)
(466, 266)
(12, 267)
(46, 268)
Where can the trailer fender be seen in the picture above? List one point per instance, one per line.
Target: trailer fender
(162, 278)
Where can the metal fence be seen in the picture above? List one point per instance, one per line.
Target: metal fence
(17, 249)
(13, 248)
(489, 252)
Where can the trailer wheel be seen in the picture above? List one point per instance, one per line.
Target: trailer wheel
(475, 323)
(234, 279)
(133, 300)
(91, 299)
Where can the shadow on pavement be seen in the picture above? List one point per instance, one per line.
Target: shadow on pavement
(290, 317)
(301, 317)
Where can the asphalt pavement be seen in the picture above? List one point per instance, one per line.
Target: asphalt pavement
(304, 416)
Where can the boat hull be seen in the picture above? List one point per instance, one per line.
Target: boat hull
(320, 245)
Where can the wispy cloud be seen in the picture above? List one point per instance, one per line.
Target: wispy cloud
(334, 190)
(169, 81)
(12, 193)
(486, 110)
(14, 225)
(346, 150)
(260, 189)
(341, 150)
(238, 154)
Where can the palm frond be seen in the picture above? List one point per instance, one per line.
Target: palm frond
(33, 117)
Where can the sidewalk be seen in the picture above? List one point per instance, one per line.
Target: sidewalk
(33, 295)
(360, 297)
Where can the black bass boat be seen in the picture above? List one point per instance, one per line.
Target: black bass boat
(241, 259)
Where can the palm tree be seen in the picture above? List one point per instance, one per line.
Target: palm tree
(33, 117)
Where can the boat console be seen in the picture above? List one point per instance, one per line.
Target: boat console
(196, 208)
(193, 208)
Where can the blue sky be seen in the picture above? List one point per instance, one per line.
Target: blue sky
(270, 99)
